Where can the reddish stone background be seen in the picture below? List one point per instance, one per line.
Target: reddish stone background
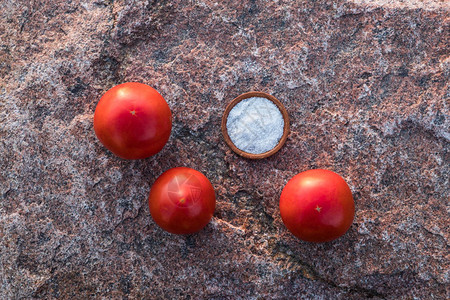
(367, 90)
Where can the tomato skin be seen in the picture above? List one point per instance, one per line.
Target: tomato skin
(317, 206)
(133, 120)
(182, 201)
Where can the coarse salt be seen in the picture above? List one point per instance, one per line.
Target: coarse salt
(255, 125)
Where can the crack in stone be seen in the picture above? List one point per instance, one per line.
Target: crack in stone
(26, 17)
(292, 263)
(122, 221)
(114, 16)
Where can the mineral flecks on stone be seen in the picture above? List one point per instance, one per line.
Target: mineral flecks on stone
(366, 87)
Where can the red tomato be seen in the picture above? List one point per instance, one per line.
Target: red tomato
(317, 206)
(182, 201)
(133, 120)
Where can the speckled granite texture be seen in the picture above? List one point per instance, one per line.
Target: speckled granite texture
(366, 86)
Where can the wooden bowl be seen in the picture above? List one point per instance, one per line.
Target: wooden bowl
(283, 111)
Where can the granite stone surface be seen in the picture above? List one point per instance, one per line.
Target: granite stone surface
(366, 84)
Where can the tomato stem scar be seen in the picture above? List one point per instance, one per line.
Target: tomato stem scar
(318, 208)
(133, 112)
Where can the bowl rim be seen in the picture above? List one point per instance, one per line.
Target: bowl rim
(252, 94)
